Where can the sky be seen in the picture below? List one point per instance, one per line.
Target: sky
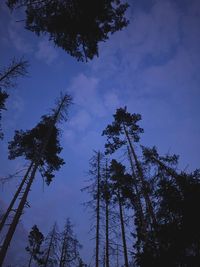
(152, 67)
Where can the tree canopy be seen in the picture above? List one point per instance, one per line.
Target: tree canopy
(74, 25)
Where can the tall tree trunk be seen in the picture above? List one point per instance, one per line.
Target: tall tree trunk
(107, 221)
(30, 260)
(49, 248)
(138, 203)
(63, 253)
(98, 210)
(143, 182)
(17, 216)
(123, 230)
(5, 216)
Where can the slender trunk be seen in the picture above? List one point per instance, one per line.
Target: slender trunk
(143, 182)
(123, 231)
(5, 216)
(98, 210)
(17, 216)
(63, 253)
(137, 198)
(107, 221)
(49, 248)
(30, 260)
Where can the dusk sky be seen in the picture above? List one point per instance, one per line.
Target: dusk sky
(152, 67)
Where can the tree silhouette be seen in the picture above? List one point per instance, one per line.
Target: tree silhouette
(125, 130)
(120, 186)
(8, 76)
(175, 242)
(35, 239)
(69, 247)
(51, 249)
(76, 26)
(40, 146)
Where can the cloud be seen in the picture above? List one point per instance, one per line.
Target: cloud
(46, 52)
(81, 120)
(85, 92)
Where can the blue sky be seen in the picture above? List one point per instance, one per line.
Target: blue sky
(152, 67)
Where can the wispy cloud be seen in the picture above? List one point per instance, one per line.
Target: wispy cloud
(46, 52)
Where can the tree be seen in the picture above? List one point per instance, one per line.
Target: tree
(69, 247)
(119, 186)
(124, 130)
(175, 242)
(35, 241)
(8, 78)
(74, 25)
(106, 197)
(40, 146)
(94, 189)
(50, 257)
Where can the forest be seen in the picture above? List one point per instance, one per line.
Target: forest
(136, 204)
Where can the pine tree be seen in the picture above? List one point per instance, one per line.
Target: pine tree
(40, 146)
(35, 241)
(69, 247)
(94, 189)
(124, 130)
(51, 249)
(76, 26)
(120, 187)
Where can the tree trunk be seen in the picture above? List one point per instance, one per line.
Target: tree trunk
(5, 216)
(137, 198)
(143, 183)
(123, 231)
(49, 248)
(63, 253)
(16, 218)
(107, 222)
(98, 210)
(29, 264)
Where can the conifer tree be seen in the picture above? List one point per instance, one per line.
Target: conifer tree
(69, 247)
(35, 241)
(51, 249)
(120, 186)
(124, 130)
(74, 25)
(40, 146)
(94, 189)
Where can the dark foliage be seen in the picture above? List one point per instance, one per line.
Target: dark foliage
(35, 239)
(116, 132)
(176, 239)
(8, 78)
(76, 26)
(3, 97)
(29, 145)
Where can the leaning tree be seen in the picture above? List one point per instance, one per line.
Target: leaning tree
(40, 146)
(125, 131)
